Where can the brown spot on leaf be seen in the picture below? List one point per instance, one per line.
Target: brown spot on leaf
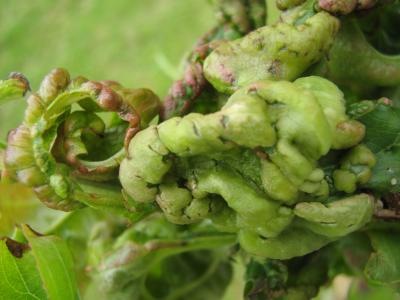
(22, 79)
(17, 249)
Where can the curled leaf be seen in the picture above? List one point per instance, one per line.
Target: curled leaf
(58, 147)
(14, 87)
(276, 52)
(245, 166)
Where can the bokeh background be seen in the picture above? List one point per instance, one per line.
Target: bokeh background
(140, 43)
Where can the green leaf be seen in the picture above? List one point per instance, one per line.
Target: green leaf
(76, 230)
(383, 127)
(386, 173)
(383, 265)
(55, 265)
(264, 279)
(155, 259)
(383, 138)
(359, 288)
(19, 278)
(13, 88)
(355, 250)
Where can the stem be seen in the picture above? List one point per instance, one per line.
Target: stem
(387, 214)
(392, 212)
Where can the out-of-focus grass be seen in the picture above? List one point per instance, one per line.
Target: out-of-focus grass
(139, 43)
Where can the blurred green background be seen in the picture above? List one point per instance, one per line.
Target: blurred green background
(139, 43)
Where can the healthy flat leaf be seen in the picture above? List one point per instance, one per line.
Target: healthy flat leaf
(55, 265)
(383, 265)
(75, 229)
(19, 278)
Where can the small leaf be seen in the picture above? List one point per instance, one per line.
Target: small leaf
(19, 278)
(383, 265)
(13, 88)
(55, 265)
(383, 127)
(386, 173)
(383, 138)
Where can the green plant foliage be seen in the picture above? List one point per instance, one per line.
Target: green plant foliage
(19, 276)
(47, 256)
(264, 173)
(383, 266)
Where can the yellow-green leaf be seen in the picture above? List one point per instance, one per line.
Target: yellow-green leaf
(55, 265)
(19, 278)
